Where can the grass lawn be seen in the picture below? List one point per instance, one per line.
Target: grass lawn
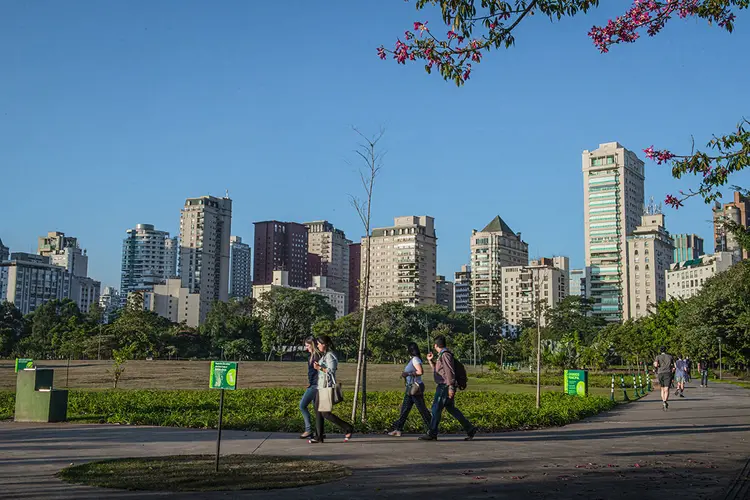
(196, 473)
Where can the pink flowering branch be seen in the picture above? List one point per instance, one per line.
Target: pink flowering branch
(714, 171)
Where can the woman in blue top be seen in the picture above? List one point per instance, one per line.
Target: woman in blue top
(326, 367)
(413, 375)
(312, 386)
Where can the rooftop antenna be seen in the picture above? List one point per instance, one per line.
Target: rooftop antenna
(227, 194)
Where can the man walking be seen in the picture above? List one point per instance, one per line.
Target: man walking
(681, 367)
(664, 365)
(444, 372)
(703, 368)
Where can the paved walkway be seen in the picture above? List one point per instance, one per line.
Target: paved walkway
(697, 450)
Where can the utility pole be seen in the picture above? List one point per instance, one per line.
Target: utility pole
(474, 313)
(537, 309)
(720, 358)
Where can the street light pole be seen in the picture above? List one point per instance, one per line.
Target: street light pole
(720, 358)
(474, 314)
(536, 309)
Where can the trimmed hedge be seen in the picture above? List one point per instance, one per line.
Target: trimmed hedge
(276, 410)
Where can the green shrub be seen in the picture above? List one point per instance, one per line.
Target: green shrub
(276, 410)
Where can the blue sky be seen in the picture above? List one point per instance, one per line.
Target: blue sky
(112, 113)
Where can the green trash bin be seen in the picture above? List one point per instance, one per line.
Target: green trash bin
(36, 398)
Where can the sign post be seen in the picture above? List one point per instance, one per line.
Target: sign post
(223, 376)
(576, 382)
(23, 363)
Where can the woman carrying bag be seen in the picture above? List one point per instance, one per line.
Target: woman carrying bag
(312, 386)
(414, 394)
(327, 391)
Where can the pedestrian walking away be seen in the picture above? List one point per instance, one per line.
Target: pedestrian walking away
(664, 365)
(444, 372)
(326, 367)
(703, 368)
(680, 376)
(312, 386)
(414, 393)
(689, 371)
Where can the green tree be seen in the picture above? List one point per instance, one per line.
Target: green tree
(52, 324)
(287, 317)
(12, 328)
(139, 330)
(232, 321)
(572, 315)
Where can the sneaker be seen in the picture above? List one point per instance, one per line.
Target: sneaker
(394, 433)
(666, 406)
(470, 435)
(428, 437)
(682, 395)
(676, 393)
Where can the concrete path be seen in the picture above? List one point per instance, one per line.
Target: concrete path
(700, 449)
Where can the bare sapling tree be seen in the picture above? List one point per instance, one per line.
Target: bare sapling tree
(371, 160)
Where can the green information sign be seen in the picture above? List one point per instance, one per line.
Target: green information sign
(576, 382)
(22, 363)
(223, 375)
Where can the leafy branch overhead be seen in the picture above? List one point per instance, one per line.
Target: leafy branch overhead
(474, 28)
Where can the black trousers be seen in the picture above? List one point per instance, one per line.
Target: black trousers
(327, 415)
(406, 406)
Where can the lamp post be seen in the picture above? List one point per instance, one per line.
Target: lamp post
(720, 358)
(535, 307)
(474, 313)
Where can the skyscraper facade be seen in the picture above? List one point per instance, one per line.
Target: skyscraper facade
(613, 184)
(541, 281)
(737, 211)
(444, 292)
(4, 252)
(148, 258)
(205, 229)
(403, 262)
(332, 247)
(240, 276)
(650, 254)
(579, 283)
(29, 280)
(494, 247)
(281, 246)
(462, 290)
(64, 251)
(687, 247)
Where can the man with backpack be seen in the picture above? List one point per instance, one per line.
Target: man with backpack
(449, 375)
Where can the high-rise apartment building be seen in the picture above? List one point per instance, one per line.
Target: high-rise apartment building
(281, 246)
(737, 211)
(332, 248)
(29, 280)
(110, 302)
(685, 279)
(355, 274)
(240, 275)
(462, 290)
(613, 184)
(403, 262)
(4, 252)
(280, 279)
(687, 247)
(205, 228)
(84, 291)
(148, 258)
(650, 253)
(444, 292)
(494, 247)
(64, 251)
(542, 281)
(580, 282)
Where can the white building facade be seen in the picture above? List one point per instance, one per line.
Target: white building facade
(685, 279)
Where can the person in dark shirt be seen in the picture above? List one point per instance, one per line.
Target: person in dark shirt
(312, 386)
(703, 368)
(664, 364)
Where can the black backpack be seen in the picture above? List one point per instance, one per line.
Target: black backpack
(462, 379)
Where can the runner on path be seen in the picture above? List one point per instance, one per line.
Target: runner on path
(664, 365)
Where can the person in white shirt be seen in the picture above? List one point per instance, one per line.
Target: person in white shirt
(414, 394)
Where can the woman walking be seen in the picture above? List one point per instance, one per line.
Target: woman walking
(414, 394)
(312, 386)
(326, 367)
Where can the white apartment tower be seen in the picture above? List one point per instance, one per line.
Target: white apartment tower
(331, 245)
(613, 181)
(650, 255)
(240, 275)
(149, 256)
(686, 278)
(205, 228)
(544, 281)
(494, 247)
(404, 262)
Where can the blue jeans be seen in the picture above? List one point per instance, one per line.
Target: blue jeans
(704, 377)
(443, 401)
(307, 398)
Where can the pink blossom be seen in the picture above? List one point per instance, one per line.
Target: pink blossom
(381, 52)
(672, 201)
(451, 35)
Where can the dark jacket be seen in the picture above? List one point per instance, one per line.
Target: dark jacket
(312, 373)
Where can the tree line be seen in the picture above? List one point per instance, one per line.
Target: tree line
(276, 325)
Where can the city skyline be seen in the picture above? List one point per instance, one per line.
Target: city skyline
(195, 117)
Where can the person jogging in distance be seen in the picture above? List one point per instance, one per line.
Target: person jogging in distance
(681, 368)
(664, 364)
